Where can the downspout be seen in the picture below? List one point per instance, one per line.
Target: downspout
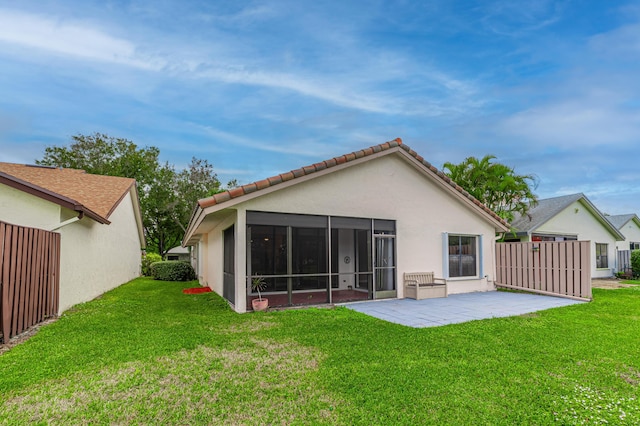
(68, 222)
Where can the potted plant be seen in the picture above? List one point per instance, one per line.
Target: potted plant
(259, 304)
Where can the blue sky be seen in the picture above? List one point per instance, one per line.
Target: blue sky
(259, 88)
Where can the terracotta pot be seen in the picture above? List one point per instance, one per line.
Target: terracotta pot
(260, 305)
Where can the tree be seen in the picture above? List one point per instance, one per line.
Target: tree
(495, 185)
(167, 197)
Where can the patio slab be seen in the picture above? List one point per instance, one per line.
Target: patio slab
(458, 308)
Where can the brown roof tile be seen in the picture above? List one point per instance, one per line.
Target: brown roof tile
(100, 194)
(336, 161)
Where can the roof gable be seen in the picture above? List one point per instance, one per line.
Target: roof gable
(237, 195)
(96, 196)
(548, 208)
(619, 221)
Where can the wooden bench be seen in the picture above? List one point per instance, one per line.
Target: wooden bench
(627, 274)
(423, 285)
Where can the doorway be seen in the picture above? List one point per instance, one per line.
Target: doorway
(229, 265)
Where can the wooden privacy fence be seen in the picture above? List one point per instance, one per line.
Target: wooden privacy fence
(559, 268)
(29, 278)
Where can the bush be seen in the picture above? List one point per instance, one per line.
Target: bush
(173, 270)
(635, 262)
(147, 260)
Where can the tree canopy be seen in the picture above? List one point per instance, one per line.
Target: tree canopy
(495, 185)
(167, 196)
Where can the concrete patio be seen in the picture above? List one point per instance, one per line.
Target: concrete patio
(458, 308)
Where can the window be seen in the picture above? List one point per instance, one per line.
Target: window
(462, 256)
(602, 260)
(634, 246)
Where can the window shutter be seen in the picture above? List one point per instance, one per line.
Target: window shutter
(480, 257)
(445, 255)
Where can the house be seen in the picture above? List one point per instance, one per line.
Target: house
(571, 217)
(98, 218)
(344, 229)
(629, 226)
(178, 253)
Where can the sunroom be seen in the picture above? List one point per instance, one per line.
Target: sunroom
(310, 259)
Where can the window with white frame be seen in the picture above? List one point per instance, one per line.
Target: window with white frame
(602, 259)
(463, 256)
(634, 246)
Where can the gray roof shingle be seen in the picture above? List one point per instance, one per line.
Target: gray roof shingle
(543, 211)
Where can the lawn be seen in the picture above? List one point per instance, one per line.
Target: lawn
(146, 353)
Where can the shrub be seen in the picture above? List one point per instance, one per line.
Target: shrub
(147, 260)
(635, 262)
(173, 270)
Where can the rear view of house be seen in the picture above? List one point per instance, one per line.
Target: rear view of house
(98, 219)
(343, 229)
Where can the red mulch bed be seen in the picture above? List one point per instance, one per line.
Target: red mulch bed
(196, 290)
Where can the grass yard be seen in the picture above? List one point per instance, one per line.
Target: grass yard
(147, 354)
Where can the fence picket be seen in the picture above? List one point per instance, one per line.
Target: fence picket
(29, 278)
(561, 268)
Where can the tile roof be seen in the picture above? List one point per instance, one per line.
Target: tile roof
(336, 161)
(96, 195)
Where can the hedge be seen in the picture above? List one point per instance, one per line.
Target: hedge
(635, 262)
(147, 260)
(173, 270)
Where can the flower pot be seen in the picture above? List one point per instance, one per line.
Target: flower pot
(260, 305)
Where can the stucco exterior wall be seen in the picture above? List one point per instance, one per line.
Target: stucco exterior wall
(383, 188)
(96, 258)
(20, 208)
(576, 219)
(631, 231)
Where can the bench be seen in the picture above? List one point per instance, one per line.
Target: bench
(423, 285)
(627, 274)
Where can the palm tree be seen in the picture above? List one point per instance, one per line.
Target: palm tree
(495, 185)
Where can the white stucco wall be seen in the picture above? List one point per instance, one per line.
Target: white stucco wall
(94, 258)
(576, 219)
(383, 188)
(20, 208)
(631, 231)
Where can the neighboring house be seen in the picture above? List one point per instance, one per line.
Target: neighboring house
(98, 218)
(629, 226)
(571, 217)
(178, 253)
(344, 229)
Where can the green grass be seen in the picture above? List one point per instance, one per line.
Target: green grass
(637, 282)
(147, 354)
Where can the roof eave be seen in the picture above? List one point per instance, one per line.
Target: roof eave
(50, 196)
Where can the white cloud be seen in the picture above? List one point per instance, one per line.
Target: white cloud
(227, 138)
(333, 82)
(70, 39)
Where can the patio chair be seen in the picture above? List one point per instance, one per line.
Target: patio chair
(423, 285)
